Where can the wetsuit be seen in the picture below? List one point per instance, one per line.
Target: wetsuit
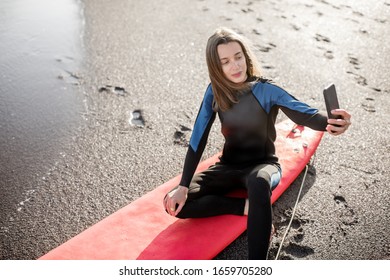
(248, 159)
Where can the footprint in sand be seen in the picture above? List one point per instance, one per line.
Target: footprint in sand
(181, 135)
(356, 13)
(225, 18)
(329, 55)
(267, 67)
(347, 218)
(295, 27)
(376, 89)
(113, 89)
(321, 38)
(354, 61)
(363, 31)
(255, 31)
(247, 10)
(369, 105)
(380, 20)
(346, 214)
(265, 48)
(359, 78)
(136, 118)
(298, 251)
(327, 3)
(293, 249)
(296, 232)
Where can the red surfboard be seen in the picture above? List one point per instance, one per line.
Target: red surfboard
(143, 230)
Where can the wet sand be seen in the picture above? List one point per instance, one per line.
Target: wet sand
(39, 101)
(148, 60)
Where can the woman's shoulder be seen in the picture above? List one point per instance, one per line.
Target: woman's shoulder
(209, 91)
(262, 83)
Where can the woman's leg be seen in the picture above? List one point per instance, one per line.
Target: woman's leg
(206, 195)
(259, 183)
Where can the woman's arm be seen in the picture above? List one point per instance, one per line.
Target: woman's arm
(175, 200)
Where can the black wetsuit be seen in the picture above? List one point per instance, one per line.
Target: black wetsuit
(248, 159)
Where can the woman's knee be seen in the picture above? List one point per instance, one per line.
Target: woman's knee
(259, 188)
(259, 178)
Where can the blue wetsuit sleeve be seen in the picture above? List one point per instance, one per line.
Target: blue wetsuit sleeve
(203, 123)
(271, 96)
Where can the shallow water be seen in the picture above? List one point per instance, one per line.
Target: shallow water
(40, 102)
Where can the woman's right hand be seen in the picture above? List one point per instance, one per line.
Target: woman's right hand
(175, 197)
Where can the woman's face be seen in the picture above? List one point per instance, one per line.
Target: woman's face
(233, 62)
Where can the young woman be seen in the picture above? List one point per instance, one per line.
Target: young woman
(247, 106)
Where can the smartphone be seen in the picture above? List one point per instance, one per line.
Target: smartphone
(331, 101)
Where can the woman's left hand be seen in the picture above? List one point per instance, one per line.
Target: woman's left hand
(339, 126)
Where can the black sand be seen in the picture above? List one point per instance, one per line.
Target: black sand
(150, 58)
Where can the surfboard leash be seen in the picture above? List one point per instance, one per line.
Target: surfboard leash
(294, 209)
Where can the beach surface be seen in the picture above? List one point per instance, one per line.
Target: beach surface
(142, 82)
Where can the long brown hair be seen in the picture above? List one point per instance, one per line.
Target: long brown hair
(225, 91)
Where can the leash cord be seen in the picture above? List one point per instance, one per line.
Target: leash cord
(293, 213)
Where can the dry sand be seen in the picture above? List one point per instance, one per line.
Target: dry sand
(150, 57)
